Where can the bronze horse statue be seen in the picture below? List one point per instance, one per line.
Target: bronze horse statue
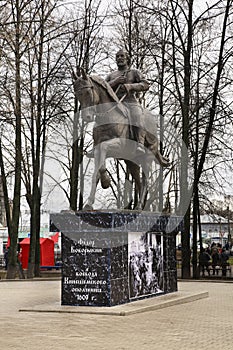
(112, 134)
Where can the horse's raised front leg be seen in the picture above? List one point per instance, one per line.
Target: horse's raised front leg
(104, 177)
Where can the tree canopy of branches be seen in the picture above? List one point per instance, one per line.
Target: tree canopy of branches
(185, 52)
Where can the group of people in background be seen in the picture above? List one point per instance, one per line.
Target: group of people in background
(214, 257)
(6, 257)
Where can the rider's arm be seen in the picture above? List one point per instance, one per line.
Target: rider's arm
(140, 84)
(114, 82)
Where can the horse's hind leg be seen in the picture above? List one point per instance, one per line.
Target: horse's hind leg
(143, 193)
(143, 187)
(135, 172)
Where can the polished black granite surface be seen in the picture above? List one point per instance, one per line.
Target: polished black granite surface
(110, 258)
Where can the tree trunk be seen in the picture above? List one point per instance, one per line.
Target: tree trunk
(185, 147)
(185, 243)
(75, 162)
(13, 225)
(195, 222)
(32, 250)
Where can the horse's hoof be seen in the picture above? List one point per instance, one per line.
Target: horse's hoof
(138, 207)
(87, 207)
(105, 181)
(105, 184)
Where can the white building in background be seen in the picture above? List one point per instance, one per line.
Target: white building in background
(24, 224)
(215, 228)
(24, 228)
(3, 239)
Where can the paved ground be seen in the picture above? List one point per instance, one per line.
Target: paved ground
(202, 324)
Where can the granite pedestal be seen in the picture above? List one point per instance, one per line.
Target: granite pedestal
(110, 258)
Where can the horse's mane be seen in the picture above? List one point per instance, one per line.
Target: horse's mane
(100, 81)
(104, 84)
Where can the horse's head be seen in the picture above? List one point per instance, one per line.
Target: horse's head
(85, 94)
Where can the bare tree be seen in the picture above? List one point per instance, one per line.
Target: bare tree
(13, 33)
(32, 32)
(85, 50)
(48, 96)
(221, 62)
(185, 76)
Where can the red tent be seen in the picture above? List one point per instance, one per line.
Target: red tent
(8, 242)
(55, 237)
(46, 252)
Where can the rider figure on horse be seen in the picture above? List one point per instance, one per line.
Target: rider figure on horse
(126, 83)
